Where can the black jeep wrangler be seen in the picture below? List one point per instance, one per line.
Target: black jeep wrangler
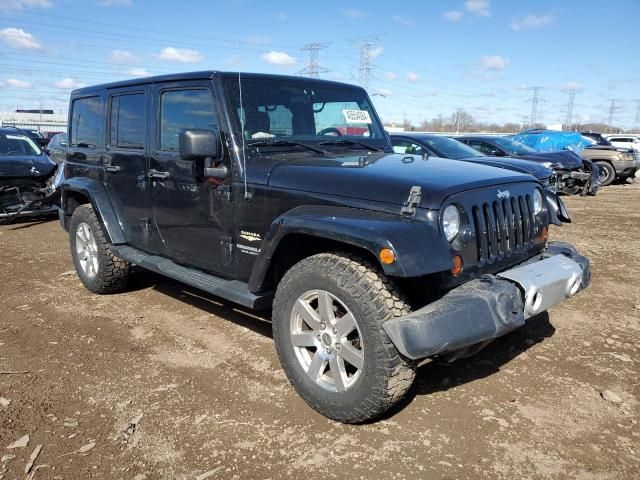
(284, 193)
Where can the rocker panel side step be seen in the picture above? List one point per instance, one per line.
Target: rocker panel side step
(233, 290)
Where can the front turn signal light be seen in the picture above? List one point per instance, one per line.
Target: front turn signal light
(457, 266)
(387, 256)
(544, 234)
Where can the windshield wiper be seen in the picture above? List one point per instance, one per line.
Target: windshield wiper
(285, 143)
(350, 142)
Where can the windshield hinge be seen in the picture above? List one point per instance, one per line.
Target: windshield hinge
(413, 200)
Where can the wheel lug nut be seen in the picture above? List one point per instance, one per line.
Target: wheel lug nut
(323, 326)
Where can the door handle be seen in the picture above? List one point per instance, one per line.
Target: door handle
(158, 174)
(113, 168)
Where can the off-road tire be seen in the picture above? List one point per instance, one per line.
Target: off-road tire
(113, 272)
(611, 173)
(373, 299)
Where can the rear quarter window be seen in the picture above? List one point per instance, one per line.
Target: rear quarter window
(86, 121)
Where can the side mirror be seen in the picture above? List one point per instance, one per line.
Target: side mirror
(496, 153)
(201, 144)
(198, 144)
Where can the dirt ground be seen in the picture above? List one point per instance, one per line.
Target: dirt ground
(165, 382)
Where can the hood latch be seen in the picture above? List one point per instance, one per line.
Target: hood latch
(412, 201)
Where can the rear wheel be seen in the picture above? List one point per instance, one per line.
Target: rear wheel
(97, 267)
(327, 325)
(607, 173)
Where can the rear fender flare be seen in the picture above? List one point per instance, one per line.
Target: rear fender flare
(419, 248)
(97, 195)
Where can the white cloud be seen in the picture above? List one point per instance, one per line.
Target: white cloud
(278, 58)
(413, 77)
(14, 83)
(353, 13)
(68, 84)
(114, 3)
(180, 55)
(494, 62)
(390, 75)
(18, 38)
(137, 72)
(376, 52)
(122, 56)
(453, 15)
(258, 39)
(478, 7)
(531, 21)
(571, 86)
(403, 21)
(20, 4)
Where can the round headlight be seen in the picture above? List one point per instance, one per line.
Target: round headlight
(451, 222)
(537, 201)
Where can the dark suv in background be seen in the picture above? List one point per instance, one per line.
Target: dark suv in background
(283, 192)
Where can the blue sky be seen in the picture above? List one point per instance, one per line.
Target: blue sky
(430, 57)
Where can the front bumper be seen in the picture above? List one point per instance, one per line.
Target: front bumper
(488, 307)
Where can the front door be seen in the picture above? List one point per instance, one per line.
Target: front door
(192, 212)
(125, 162)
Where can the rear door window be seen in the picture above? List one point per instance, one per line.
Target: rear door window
(127, 121)
(86, 118)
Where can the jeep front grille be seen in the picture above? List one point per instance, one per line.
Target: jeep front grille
(503, 227)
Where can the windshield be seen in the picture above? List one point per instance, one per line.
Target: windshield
(13, 145)
(511, 146)
(446, 147)
(283, 111)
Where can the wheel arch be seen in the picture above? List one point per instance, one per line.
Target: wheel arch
(307, 230)
(81, 190)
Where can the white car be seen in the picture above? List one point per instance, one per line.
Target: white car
(625, 141)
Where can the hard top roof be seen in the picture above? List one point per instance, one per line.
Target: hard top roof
(201, 75)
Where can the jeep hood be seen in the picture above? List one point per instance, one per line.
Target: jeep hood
(29, 166)
(387, 178)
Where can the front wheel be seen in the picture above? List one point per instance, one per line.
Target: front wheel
(607, 173)
(327, 325)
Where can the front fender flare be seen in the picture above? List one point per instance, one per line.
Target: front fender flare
(419, 248)
(97, 195)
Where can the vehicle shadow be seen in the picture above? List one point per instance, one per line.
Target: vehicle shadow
(436, 376)
(256, 321)
(20, 223)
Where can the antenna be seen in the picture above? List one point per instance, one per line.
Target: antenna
(242, 115)
(313, 68)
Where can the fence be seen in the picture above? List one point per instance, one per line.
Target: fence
(40, 126)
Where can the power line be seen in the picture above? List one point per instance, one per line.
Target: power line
(313, 68)
(535, 101)
(568, 121)
(366, 45)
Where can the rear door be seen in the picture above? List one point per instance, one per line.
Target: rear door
(191, 212)
(126, 161)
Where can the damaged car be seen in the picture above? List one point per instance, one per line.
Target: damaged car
(575, 175)
(29, 180)
(429, 145)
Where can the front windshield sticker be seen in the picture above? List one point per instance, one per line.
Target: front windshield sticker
(356, 116)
